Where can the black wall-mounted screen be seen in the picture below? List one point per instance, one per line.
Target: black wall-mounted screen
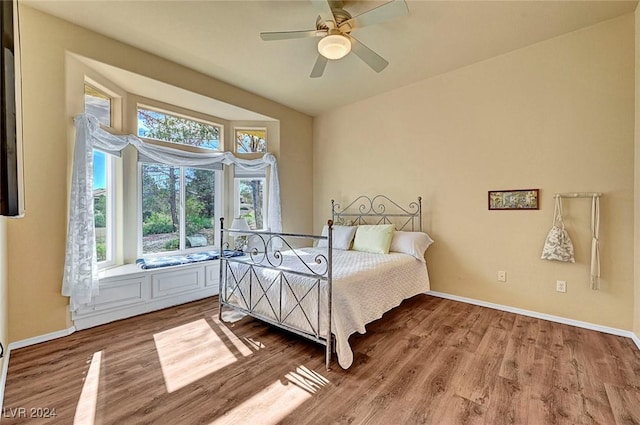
(9, 184)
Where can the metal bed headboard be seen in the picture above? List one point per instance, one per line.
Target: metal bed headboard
(379, 210)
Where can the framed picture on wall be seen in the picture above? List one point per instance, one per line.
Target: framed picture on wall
(522, 199)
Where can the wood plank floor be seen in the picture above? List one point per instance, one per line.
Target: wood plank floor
(429, 361)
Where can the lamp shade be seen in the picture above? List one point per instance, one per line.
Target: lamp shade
(239, 224)
(334, 46)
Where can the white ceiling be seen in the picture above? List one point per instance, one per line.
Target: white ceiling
(221, 39)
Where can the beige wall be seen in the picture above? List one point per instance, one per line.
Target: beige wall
(557, 115)
(36, 306)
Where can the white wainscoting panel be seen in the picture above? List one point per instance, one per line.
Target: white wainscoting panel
(127, 291)
(175, 282)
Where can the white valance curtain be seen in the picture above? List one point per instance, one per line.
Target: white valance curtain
(80, 280)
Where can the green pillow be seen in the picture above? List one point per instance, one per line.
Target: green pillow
(374, 238)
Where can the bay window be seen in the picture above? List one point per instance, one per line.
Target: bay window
(158, 194)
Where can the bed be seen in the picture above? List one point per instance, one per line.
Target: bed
(310, 284)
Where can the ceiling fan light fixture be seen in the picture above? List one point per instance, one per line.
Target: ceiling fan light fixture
(334, 46)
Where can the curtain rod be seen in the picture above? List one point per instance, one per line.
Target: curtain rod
(578, 195)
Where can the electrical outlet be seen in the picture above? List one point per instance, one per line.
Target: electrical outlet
(502, 276)
(561, 285)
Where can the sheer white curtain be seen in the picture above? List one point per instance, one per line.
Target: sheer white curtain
(80, 280)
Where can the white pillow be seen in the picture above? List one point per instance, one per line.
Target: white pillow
(373, 238)
(412, 243)
(342, 237)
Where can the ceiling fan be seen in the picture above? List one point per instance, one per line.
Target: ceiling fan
(335, 25)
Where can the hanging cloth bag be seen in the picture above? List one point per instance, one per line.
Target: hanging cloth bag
(558, 245)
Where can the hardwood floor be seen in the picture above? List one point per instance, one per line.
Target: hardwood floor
(429, 361)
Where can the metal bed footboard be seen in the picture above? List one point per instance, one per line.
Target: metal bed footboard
(269, 254)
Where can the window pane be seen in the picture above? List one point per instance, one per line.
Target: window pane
(252, 201)
(249, 141)
(199, 207)
(160, 208)
(160, 126)
(97, 104)
(100, 203)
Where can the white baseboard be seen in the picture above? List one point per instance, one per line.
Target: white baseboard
(41, 338)
(3, 377)
(543, 316)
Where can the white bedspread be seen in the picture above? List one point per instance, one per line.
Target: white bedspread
(368, 285)
(365, 286)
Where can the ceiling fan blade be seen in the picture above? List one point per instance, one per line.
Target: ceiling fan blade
(286, 35)
(318, 68)
(368, 56)
(324, 10)
(382, 13)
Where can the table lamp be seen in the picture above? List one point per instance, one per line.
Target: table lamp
(239, 239)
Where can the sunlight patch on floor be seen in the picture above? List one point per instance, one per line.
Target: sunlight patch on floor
(190, 352)
(277, 401)
(254, 344)
(86, 409)
(307, 379)
(240, 346)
